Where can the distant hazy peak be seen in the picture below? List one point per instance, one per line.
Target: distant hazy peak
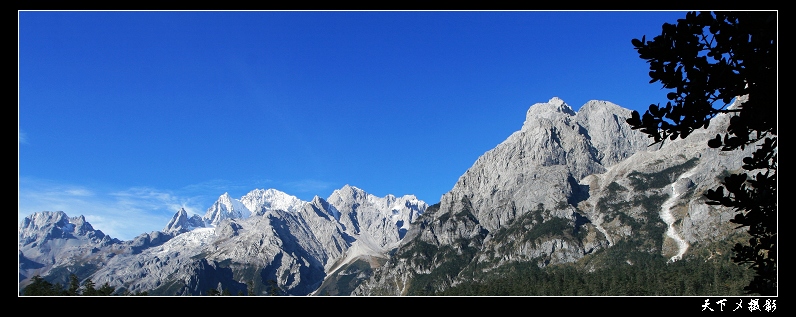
(43, 218)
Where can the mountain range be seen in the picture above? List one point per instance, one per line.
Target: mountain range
(566, 189)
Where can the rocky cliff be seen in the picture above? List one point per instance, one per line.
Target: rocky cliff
(566, 185)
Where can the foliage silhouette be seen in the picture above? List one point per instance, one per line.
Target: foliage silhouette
(710, 59)
(40, 287)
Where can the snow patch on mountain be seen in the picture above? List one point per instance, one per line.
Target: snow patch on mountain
(256, 202)
(271, 199)
(196, 239)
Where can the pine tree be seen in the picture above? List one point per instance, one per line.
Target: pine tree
(88, 288)
(38, 287)
(74, 285)
(106, 290)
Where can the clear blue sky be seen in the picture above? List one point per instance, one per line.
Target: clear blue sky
(124, 117)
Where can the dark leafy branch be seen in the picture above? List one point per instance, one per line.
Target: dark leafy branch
(709, 60)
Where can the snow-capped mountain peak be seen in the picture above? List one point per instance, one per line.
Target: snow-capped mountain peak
(271, 199)
(225, 207)
(258, 201)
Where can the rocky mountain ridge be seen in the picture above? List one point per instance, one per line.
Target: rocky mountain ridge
(265, 237)
(566, 186)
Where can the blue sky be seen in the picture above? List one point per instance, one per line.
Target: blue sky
(124, 117)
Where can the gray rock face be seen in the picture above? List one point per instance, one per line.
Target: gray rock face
(543, 162)
(180, 222)
(361, 213)
(565, 185)
(52, 239)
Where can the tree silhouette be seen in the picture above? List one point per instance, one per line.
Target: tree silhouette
(41, 287)
(89, 288)
(274, 289)
(74, 285)
(106, 290)
(710, 59)
(213, 292)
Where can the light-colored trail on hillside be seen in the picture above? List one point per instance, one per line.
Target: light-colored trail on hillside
(668, 218)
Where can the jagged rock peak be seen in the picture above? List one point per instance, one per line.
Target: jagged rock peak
(348, 195)
(226, 201)
(348, 198)
(57, 224)
(348, 191)
(42, 218)
(225, 207)
(180, 222)
(604, 124)
(58, 219)
(553, 108)
(179, 218)
(555, 147)
(317, 200)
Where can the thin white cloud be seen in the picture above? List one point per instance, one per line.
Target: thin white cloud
(220, 186)
(153, 199)
(307, 186)
(127, 213)
(78, 192)
(23, 138)
(122, 214)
